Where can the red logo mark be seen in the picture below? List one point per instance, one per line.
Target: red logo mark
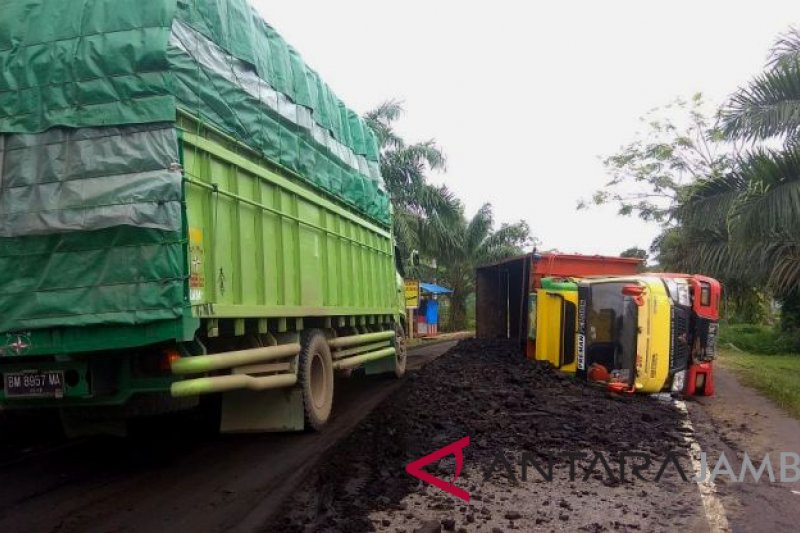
(19, 345)
(456, 449)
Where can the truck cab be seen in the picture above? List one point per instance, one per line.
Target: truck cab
(648, 333)
(623, 332)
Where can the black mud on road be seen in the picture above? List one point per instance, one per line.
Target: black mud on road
(504, 403)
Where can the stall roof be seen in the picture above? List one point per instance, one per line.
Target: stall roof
(434, 289)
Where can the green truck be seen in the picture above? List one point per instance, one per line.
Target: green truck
(189, 216)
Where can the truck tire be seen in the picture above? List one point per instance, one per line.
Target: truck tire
(401, 351)
(316, 379)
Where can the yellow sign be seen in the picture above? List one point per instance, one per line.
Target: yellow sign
(412, 293)
(197, 281)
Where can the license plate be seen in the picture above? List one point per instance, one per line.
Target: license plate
(34, 384)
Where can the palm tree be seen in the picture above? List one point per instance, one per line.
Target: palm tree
(769, 106)
(478, 243)
(745, 226)
(431, 219)
(423, 213)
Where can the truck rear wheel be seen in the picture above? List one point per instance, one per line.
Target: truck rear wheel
(316, 379)
(401, 351)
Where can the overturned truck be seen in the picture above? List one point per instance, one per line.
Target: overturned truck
(600, 319)
(187, 213)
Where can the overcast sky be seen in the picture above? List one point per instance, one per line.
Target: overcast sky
(525, 96)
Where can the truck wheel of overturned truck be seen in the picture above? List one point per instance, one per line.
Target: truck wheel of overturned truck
(401, 351)
(316, 379)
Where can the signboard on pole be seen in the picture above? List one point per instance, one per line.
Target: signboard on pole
(412, 293)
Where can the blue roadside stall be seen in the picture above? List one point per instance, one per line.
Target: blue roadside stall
(428, 315)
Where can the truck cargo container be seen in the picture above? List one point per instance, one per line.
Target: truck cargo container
(187, 211)
(506, 291)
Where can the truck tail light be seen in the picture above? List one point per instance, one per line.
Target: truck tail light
(168, 357)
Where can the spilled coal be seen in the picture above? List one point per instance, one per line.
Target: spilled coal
(486, 390)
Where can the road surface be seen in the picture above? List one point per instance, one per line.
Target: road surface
(176, 481)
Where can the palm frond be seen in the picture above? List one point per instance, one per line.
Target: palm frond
(786, 50)
(387, 111)
(380, 121)
(479, 228)
(516, 235)
(785, 273)
(770, 206)
(708, 202)
(768, 106)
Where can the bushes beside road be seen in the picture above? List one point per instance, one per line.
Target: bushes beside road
(765, 359)
(758, 339)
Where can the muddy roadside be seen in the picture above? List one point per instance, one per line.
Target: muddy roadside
(508, 407)
(173, 480)
(736, 421)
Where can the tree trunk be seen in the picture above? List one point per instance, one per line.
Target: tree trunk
(790, 311)
(458, 311)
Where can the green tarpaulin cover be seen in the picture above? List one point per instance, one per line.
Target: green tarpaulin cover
(90, 185)
(87, 63)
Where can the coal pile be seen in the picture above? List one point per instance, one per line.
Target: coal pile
(486, 390)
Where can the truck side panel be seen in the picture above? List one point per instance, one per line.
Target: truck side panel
(268, 246)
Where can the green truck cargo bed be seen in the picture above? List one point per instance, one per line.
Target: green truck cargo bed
(165, 163)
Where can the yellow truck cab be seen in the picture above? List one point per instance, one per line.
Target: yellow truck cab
(554, 323)
(624, 333)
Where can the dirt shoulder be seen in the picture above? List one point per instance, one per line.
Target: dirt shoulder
(418, 342)
(739, 420)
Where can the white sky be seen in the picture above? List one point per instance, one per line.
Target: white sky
(525, 96)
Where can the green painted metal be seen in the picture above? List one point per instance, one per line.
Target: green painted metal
(201, 364)
(79, 339)
(128, 386)
(262, 244)
(339, 354)
(357, 360)
(280, 221)
(342, 342)
(209, 385)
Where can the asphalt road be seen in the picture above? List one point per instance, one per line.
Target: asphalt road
(176, 480)
(179, 481)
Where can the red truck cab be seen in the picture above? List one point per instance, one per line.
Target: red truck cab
(701, 299)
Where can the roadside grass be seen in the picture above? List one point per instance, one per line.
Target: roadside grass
(777, 376)
(764, 359)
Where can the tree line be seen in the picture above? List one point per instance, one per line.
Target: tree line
(431, 221)
(725, 186)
